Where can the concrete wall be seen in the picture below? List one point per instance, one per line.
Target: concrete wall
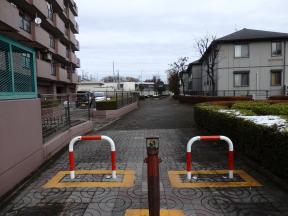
(21, 147)
(108, 114)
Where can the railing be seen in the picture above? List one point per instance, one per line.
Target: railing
(262, 94)
(122, 98)
(60, 112)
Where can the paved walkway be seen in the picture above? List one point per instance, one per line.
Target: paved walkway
(174, 124)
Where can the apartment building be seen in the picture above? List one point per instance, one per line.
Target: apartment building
(40, 37)
(248, 62)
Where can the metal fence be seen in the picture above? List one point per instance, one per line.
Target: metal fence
(60, 112)
(255, 94)
(122, 98)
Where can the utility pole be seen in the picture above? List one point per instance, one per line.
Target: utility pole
(113, 72)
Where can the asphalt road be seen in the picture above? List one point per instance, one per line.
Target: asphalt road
(174, 125)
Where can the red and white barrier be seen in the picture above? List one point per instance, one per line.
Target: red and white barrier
(71, 152)
(211, 138)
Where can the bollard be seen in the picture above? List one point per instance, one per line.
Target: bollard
(207, 138)
(71, 153)
(152, 145)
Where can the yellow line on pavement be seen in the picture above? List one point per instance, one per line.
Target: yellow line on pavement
(176, 181)
(145, 212)
(128, 179)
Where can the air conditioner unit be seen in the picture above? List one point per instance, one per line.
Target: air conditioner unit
(47, 56)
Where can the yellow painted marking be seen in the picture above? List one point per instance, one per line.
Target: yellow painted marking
(145, 212)
(55, 182)
(176, 181)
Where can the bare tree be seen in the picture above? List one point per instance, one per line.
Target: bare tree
(178, 67)
(173, 82)
(209, 51)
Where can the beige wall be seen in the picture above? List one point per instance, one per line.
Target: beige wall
(22, 150)
(20, 141)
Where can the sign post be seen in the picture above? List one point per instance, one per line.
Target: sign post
(152, 145)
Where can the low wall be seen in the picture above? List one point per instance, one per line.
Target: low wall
(203, 99)
(21, 145)
(52, 146)
(108, 114)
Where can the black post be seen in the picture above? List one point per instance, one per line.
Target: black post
(68, 111)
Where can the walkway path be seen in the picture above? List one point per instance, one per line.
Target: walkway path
(174, 124)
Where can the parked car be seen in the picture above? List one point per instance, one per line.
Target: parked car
(83, 99)
(99, 96)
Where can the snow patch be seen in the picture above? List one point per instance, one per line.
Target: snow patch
(268, 121)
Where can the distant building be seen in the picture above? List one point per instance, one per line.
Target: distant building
(250, 62)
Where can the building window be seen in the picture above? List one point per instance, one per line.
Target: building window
(52, 41)
(25, 23)
(53, 69)
(276, 48)
(26, 60)
(276, 77)
(241, 79)
(50, 11)
(241, 50)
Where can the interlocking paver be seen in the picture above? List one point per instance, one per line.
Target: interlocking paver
(174, 124)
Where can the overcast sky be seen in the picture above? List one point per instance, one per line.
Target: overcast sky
(148, 35)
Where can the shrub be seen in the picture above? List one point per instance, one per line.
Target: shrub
(202, 99)
(49, 103)
(265, 145)
(106, 105)
(263, 108)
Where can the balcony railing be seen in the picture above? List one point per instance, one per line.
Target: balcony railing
(78, 64)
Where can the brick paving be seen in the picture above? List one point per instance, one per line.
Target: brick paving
(174, 124)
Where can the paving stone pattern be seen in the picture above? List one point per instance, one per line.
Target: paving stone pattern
(173, 123)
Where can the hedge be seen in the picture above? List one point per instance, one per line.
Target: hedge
(265, 145)
(50, 103)
(202, 99)
(106, 105)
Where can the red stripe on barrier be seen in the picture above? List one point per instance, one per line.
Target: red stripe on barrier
(113, 159)
(71, 161)
(91, 138)
(188, 161)
(231, 160)
(210, 138)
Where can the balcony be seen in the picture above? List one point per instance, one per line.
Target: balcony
(42, 37)
(44, 70)
(74, 7)
(9, 15)
(71, 16)
(78, 64)
(60, 4)
(72, 38)
(62, 74)
(74, 78)
(41, 5)
(73, 58)
(60, 49)
(58, 23)
(77, 45)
